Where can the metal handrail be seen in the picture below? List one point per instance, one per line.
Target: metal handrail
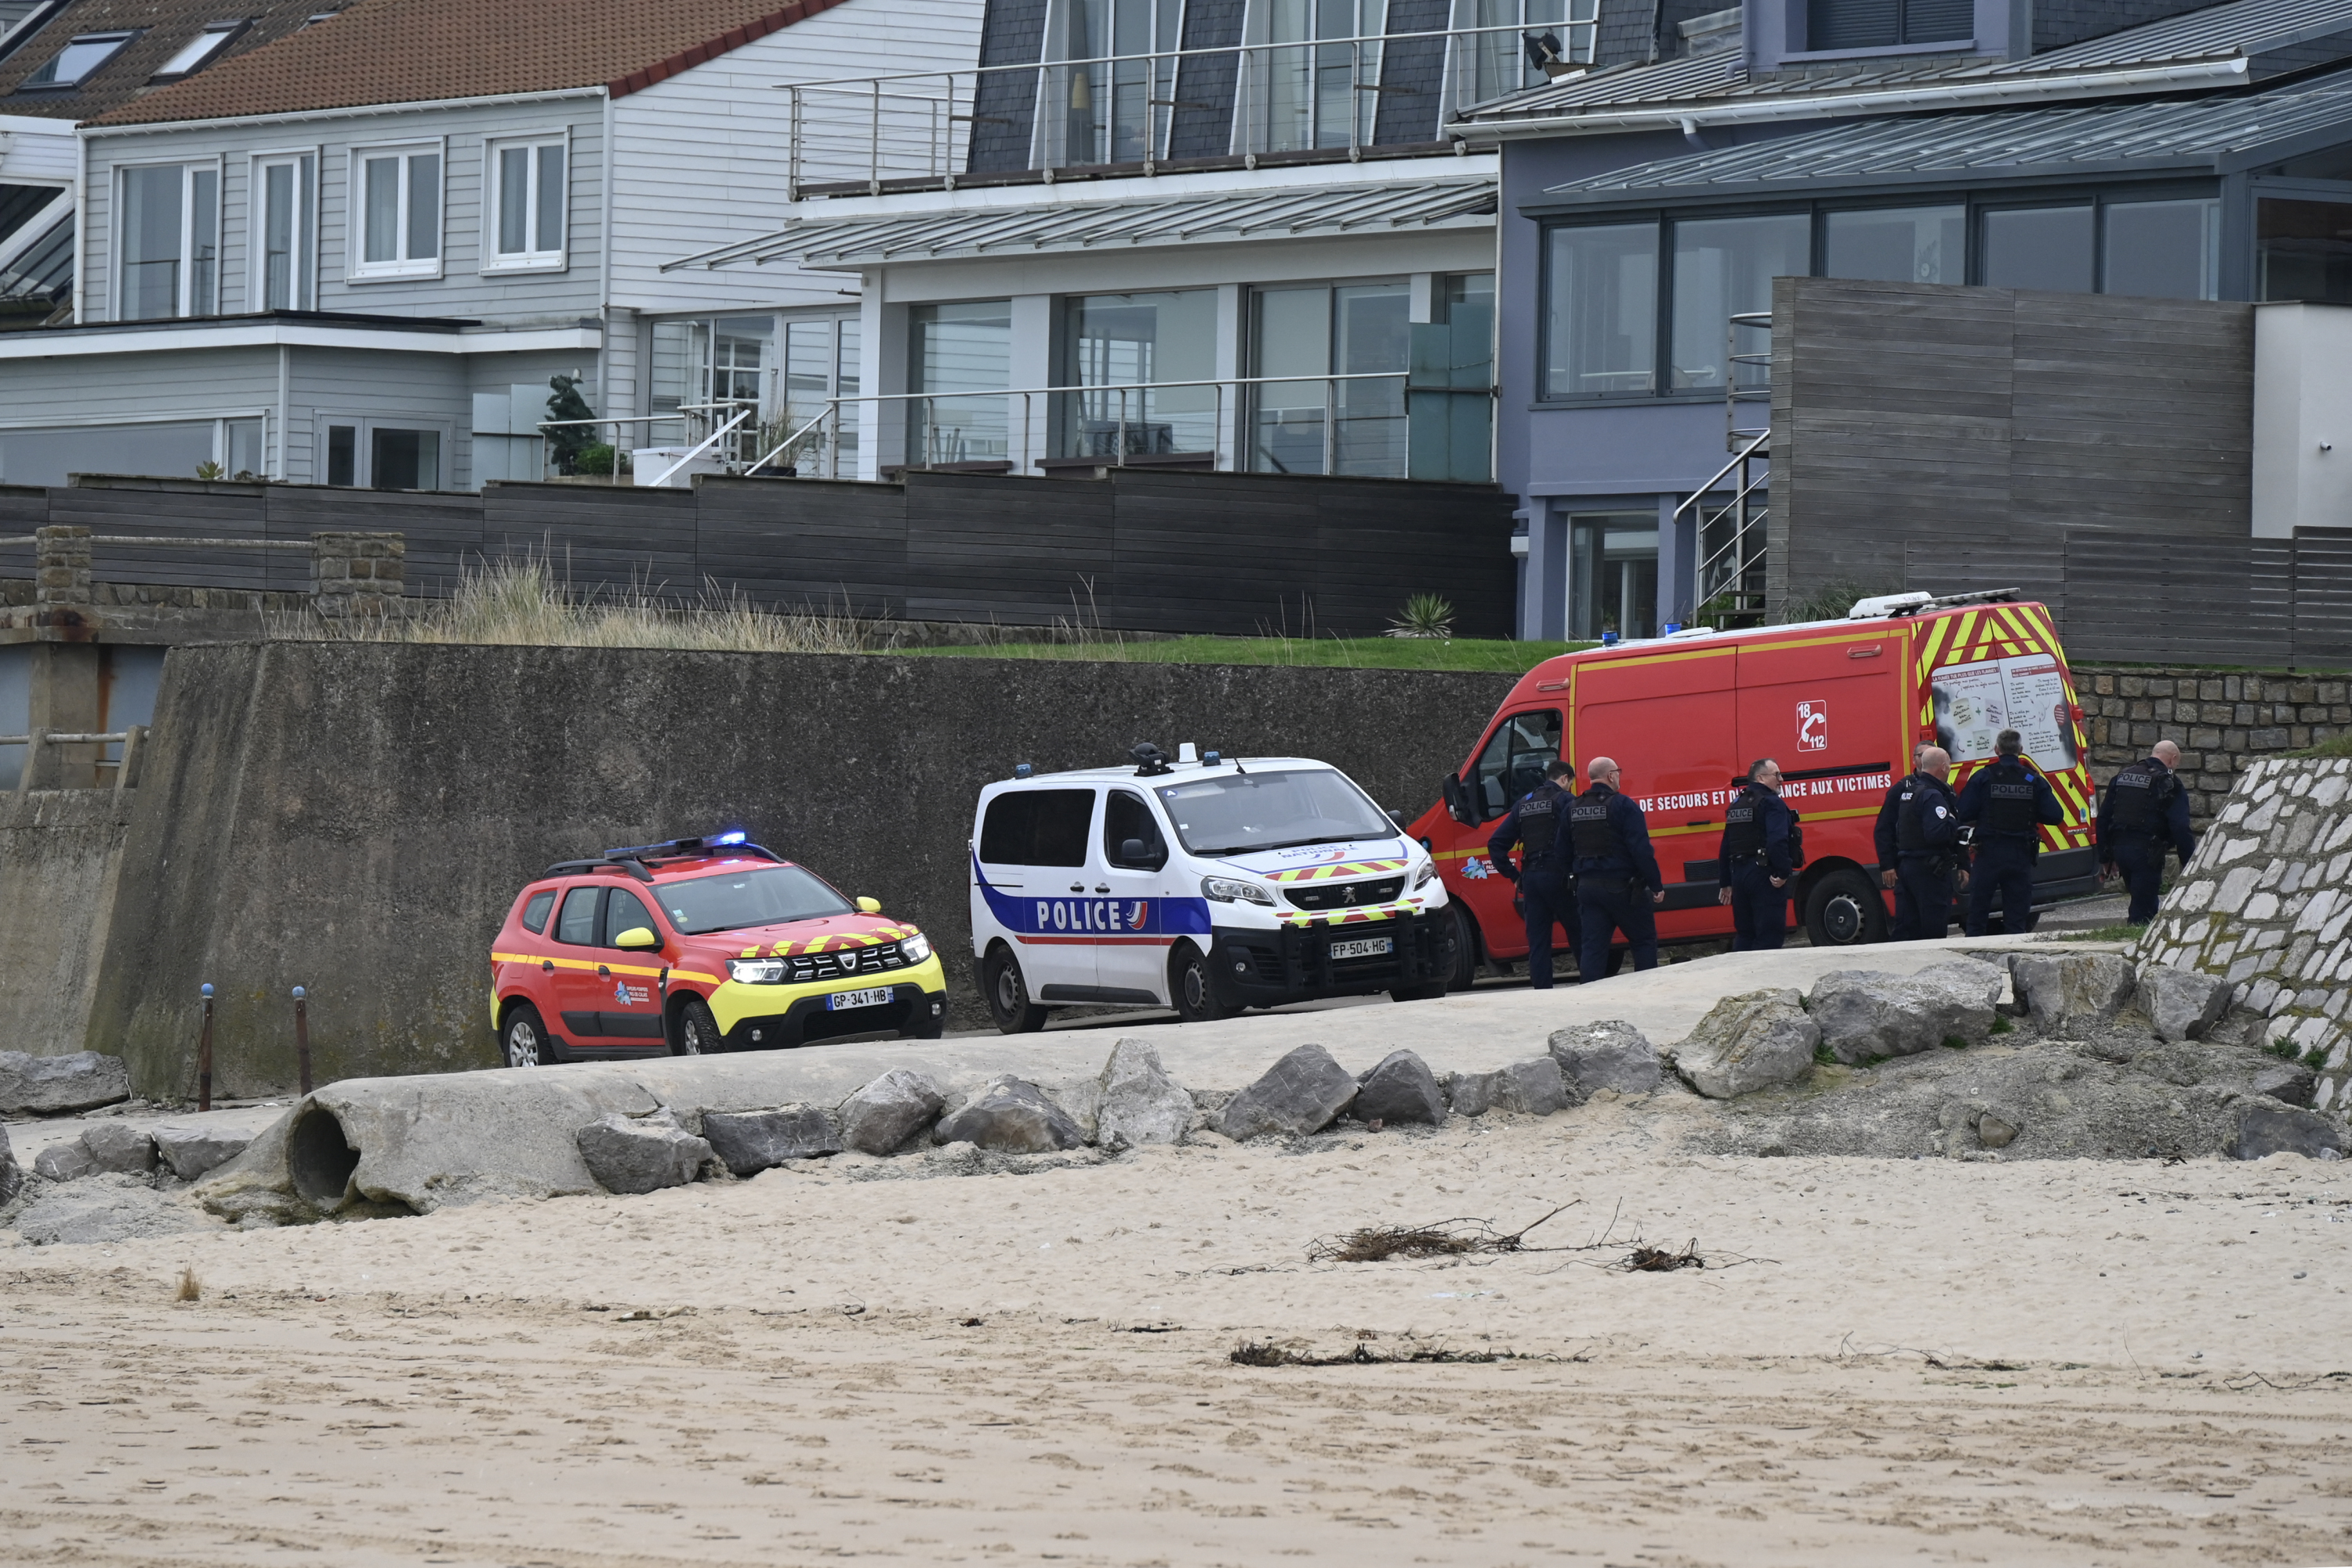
(1718, 476)
(704, 444)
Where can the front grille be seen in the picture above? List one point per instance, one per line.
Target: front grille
(844, 964)
(1344, 895)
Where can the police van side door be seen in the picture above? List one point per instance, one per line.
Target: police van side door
(1033, 857)
(1131, 953)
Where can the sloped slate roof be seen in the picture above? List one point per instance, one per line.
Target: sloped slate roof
(2249, 28)
(411, 51)
(165, 28)
(2204, 134)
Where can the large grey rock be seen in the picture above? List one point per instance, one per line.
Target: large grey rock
(2068, 993)
(1532, 1088)
(1750, 1042)
(642, 1153)
(1304, 1092)
(12, 1176)
(104, 1208)
(2289, 1083)
(2260, 1127)
(1140, 1102)
(56, 1086)
(117, 1146)
(1011, 1115)
(1865, 1015)
(1400, 1089)
(755, 1141)
(195, 1151)
(1610, 1054)
(881, 1118)
(67, 1162)
(2183, 1004)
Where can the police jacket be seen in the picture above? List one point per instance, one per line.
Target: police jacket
(1755, 831)
(2010, 802)
(2145, 803)
(1538, 824)
(1926, 823)
(1609, 837)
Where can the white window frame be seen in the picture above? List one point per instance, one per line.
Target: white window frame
(364, 429)
(357, 268)
(494, 199)
(306, 225)
(222, 34)
(185, 303)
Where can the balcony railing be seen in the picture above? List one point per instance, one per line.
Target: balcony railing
(1342, 97)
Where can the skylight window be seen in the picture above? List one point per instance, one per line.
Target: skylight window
(198, 51)
(72, 65)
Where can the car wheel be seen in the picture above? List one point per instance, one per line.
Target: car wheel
(697, 1030)
(1465, 949)
(1844, 909)
(523, 1043)
(1008, 995)
(1193, 988)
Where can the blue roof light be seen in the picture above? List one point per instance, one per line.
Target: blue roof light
(735, 838)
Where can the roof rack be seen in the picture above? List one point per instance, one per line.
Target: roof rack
(632, 858)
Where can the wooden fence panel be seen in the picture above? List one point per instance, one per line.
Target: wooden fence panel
(2323, 596)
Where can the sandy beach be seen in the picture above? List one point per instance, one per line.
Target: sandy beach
(2050, 1361)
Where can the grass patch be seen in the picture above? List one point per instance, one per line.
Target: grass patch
(2336, 746)
(2120, 933)
(2283, 1049)
(2003, 1027)
(1495, 656)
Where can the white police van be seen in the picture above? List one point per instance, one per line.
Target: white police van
(1207, 883)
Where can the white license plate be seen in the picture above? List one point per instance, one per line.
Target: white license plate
(841, 1000)
(1369, 947)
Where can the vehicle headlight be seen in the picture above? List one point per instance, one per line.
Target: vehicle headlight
(757, 971)
(1226, 889)
(1425, 875)
(915, 948)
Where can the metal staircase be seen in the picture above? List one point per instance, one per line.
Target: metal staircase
(1732, 533)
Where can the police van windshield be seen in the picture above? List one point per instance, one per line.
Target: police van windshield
(772, 895)
(1233, 813)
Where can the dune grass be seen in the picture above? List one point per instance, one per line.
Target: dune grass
(1493, 655)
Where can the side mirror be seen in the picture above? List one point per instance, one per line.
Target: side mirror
(1138, 853)
(1457, 801)
(1400, 818)
(638, 937)
(869, 906)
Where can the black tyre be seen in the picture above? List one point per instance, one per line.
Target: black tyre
(1415, 993)
(1193, 988)
(1465, 973)
(695, 1033)
(931, 1019)
(1007, 992)
(523, 1043)
(1844, 909)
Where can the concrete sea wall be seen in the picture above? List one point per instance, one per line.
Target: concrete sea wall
(356, 818)
(59, 853)
(2267, 904)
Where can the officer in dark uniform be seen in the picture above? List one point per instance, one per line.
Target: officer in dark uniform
(2143, 809)
(1614, 868)
(1882, 833)
(1754, 863)
(2009, 802)
(1919, 844)
(1547, 895)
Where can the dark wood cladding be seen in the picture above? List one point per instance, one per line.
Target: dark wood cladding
(1142, 550)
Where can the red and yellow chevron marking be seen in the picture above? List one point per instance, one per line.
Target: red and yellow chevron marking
(1304, 917)
(1346, 868)
(2006, 631)
(833, 943)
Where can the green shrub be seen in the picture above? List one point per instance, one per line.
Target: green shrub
(596, 459)
(2316, 1059)
(1954, 1043)
(2003, 1027)
(2283, 1049)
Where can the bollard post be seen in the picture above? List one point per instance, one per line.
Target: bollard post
(205, 1057)
(302, 1037)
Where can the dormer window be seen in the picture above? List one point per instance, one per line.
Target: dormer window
(1838, 24)
(198, 51)
(72, 66)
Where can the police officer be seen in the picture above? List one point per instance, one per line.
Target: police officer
(2010, 803)
(2144, 807)
(1754, 863)
(1546, 893)
(1920, 847)
(1614, 867)
(1882, 833)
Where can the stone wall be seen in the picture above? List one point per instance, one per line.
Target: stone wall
(59, 851)
(2266, 904)
(2222, 722)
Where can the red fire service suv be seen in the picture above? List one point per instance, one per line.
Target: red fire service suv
(698, 945)
(1841, 704)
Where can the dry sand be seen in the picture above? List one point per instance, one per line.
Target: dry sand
(1922, 1362)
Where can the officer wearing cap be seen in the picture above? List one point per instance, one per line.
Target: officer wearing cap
(2010, 803)
(1756, 860)
(1547, 892)
(1921, 847)
(1614, 868)
(2143, 808)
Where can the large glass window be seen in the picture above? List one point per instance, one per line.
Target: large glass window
(528, 193)
(405, 459)
(954, 352)
(1614, 574)
(1724, 265)
(1115, 340)
(1552, 34)
(2038, 247)
(1896, 245)
(281, 226)
(1602, 332)
(1886, 24)
(1112, 111)
(1449, 401)
(398, 199)
(707, 372)
(2170, 250)
(1301, 91)
(821, 364)
(1317, 426)
(72, 66)
(171, 242)
(2302, 250)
